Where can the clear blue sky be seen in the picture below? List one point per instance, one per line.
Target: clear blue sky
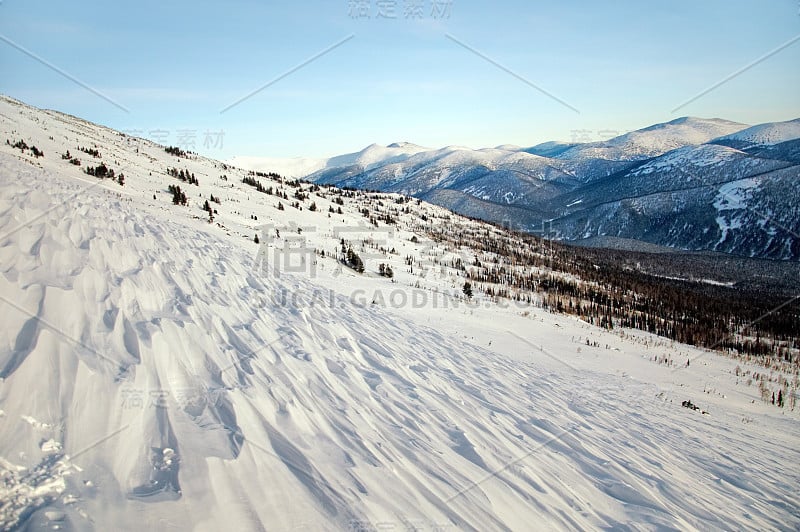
(176, 65)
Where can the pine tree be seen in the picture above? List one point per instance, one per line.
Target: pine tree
(354, 261)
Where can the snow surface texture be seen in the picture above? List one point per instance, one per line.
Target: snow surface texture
(154, 377)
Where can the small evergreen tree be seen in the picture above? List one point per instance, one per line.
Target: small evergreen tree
(467, 289)
(385, 271)
(354, 261)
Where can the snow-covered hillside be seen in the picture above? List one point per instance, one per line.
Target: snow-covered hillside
(763, 135)
(654, 140)
(161, 371)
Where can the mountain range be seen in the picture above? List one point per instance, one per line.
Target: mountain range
(688, 184)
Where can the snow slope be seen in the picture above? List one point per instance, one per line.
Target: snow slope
(763, 134)
(155, 375)
(654, 140)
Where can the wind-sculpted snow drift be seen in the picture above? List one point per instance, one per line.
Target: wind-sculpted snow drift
(152, 380)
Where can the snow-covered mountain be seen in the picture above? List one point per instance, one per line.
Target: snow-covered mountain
(159, 369)
(762, 135)
(703, 197)
(365, 159)
(659, 185)
(585, 162)
(654, 140)
(521, 174)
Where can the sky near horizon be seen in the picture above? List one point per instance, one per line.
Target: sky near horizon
(313, 78)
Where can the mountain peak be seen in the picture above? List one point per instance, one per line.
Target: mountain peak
(695, 120)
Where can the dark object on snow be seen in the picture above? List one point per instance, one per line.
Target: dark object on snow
(689, 404)
(692, 406)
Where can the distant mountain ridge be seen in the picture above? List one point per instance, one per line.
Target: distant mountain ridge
(671, 184)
